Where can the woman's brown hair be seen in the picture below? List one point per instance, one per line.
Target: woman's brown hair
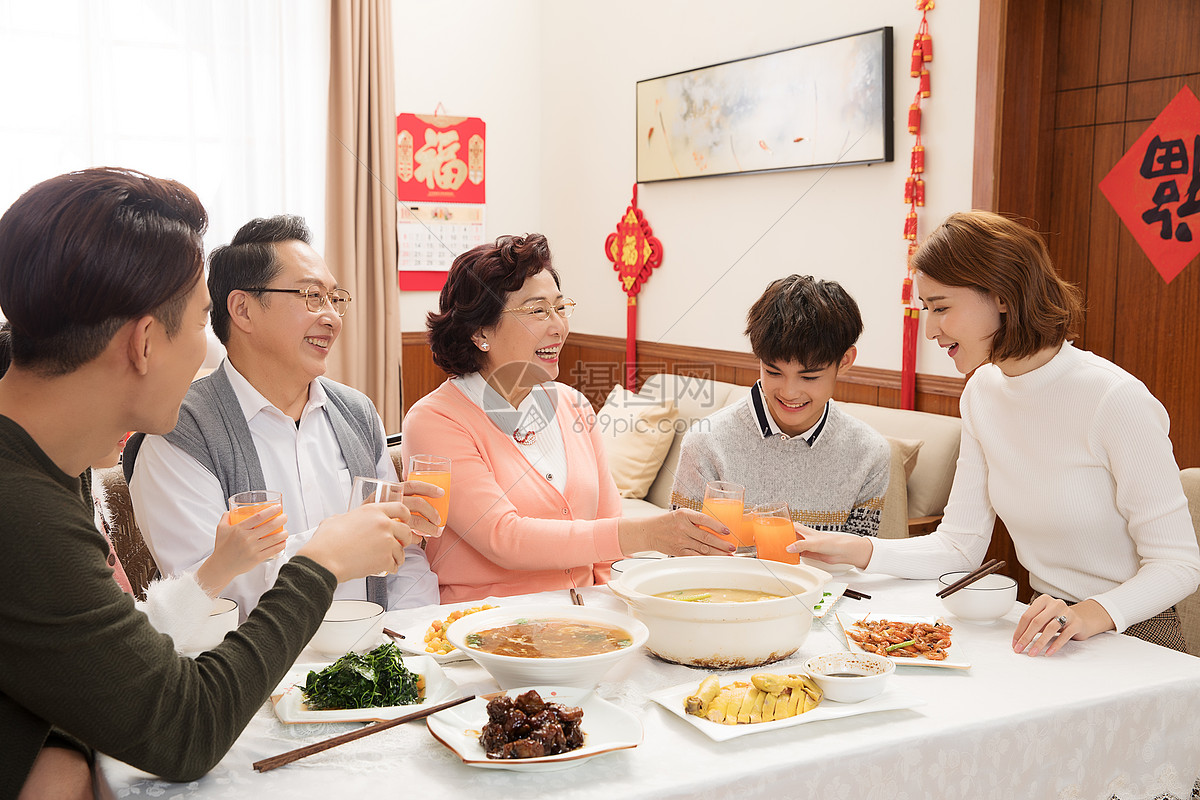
(997, 255)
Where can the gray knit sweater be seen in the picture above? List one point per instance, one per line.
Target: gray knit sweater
(837, 484)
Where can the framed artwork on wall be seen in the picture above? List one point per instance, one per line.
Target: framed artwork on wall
(816, 105)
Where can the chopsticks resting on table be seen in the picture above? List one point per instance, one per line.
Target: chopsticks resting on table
(986, 568)
(392, 634)
(576, 598)
(854, 594)
(280, 760)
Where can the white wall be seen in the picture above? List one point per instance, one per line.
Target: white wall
(555, 82)
(721, 239)
(478, 58)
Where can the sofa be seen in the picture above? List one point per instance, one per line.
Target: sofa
(643, 433)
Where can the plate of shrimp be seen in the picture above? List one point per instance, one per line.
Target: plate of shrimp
(914, 641)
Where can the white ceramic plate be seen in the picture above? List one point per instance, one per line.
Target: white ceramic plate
(289, 700)
(829, 595)
(606, 728)
(414, 633)
(954, 659)
(673, 699)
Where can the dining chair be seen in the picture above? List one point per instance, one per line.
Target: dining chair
(112, 496)
(1189, 609)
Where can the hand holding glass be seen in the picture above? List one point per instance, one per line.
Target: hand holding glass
(724, 502)
(435, 470)
(244, 505)
(773, 532)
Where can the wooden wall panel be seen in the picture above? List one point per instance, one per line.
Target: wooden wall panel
(1163, 36)
(594, 364)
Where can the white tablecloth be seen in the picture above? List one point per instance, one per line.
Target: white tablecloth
(1109, 717)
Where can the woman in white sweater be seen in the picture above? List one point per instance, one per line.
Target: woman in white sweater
(1067, 448)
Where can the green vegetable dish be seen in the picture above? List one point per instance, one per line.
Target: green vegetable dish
(375, 680)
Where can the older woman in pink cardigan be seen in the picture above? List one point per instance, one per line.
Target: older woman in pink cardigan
(532, 504)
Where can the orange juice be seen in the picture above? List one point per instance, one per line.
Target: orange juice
(771, 536)
(729, 511)
(440, 478)
(243, 513)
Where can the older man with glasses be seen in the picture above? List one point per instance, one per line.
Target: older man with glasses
(267, 418)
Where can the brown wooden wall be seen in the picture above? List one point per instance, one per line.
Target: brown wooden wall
(1065, 90)
(593, 364)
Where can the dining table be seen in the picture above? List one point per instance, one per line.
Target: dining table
(1109, 717)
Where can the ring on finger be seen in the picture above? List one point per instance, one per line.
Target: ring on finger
(1061, 619)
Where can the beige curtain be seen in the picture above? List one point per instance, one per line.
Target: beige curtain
(360, 201)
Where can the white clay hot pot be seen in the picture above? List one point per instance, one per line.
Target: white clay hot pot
(722, 635)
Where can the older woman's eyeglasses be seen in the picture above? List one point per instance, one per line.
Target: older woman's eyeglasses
(315, 298)
(541, 309)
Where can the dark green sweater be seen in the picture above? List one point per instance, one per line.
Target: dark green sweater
(76, 655)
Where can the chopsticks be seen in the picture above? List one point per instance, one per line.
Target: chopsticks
(986, 568)
(576, 598)
(393, 634)
(280, 760)
(854, 594)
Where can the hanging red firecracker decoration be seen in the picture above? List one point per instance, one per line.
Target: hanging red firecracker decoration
(914, 198)
(635, 252)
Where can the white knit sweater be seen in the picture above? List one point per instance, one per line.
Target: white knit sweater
(1074, 457)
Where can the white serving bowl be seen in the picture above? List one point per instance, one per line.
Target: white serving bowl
(346, 624)
(620, 567)
(222, 619)
(832, 569)
(722, 635)
(582, 672)
(871, 673)
(986, 600)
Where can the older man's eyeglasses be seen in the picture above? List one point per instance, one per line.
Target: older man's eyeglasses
(315, 298)
(541, 309)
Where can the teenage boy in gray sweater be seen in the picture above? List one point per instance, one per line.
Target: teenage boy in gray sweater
(788, 441)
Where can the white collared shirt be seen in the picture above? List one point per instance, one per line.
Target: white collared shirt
(178, 502)
(546, 453)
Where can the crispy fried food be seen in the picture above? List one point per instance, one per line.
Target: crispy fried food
(766, 698)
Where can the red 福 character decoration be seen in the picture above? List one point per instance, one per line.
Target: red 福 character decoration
(635, 252)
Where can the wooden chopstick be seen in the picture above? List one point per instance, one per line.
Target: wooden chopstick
(575, 597)
(393, 634)
(986, 568)
(854, 594)
(301, 752)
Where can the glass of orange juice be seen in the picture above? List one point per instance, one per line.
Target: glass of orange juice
(773, 532)
(374, 490)
(725, 502)
(435, 470)
(244, 505)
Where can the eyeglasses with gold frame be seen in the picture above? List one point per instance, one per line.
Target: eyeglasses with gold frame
(315, 298)
(541, 309)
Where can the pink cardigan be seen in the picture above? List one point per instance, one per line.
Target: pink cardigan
(509, 531)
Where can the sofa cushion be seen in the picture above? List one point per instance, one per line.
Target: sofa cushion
(929, 484)
(893, 524)
(637, 431)
(695, 398)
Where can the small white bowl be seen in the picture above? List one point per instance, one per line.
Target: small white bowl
(868, 673)
(986, 600)
(832, 569)
(346, 624)
(222, 619)
(582, 672)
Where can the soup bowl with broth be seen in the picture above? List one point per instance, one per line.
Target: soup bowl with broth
(547, 645)
(722, 613)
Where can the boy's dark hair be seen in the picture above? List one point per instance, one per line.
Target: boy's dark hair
(800, 319)
(250, 260)
(474, 295)
(83, 253)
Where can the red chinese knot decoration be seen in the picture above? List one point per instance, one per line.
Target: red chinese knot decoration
(914, 198)
(1155, 187)
(635, 252)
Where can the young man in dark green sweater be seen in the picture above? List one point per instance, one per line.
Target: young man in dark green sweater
(101, 278)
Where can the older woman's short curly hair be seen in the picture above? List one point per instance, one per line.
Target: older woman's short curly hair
(475, 294)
